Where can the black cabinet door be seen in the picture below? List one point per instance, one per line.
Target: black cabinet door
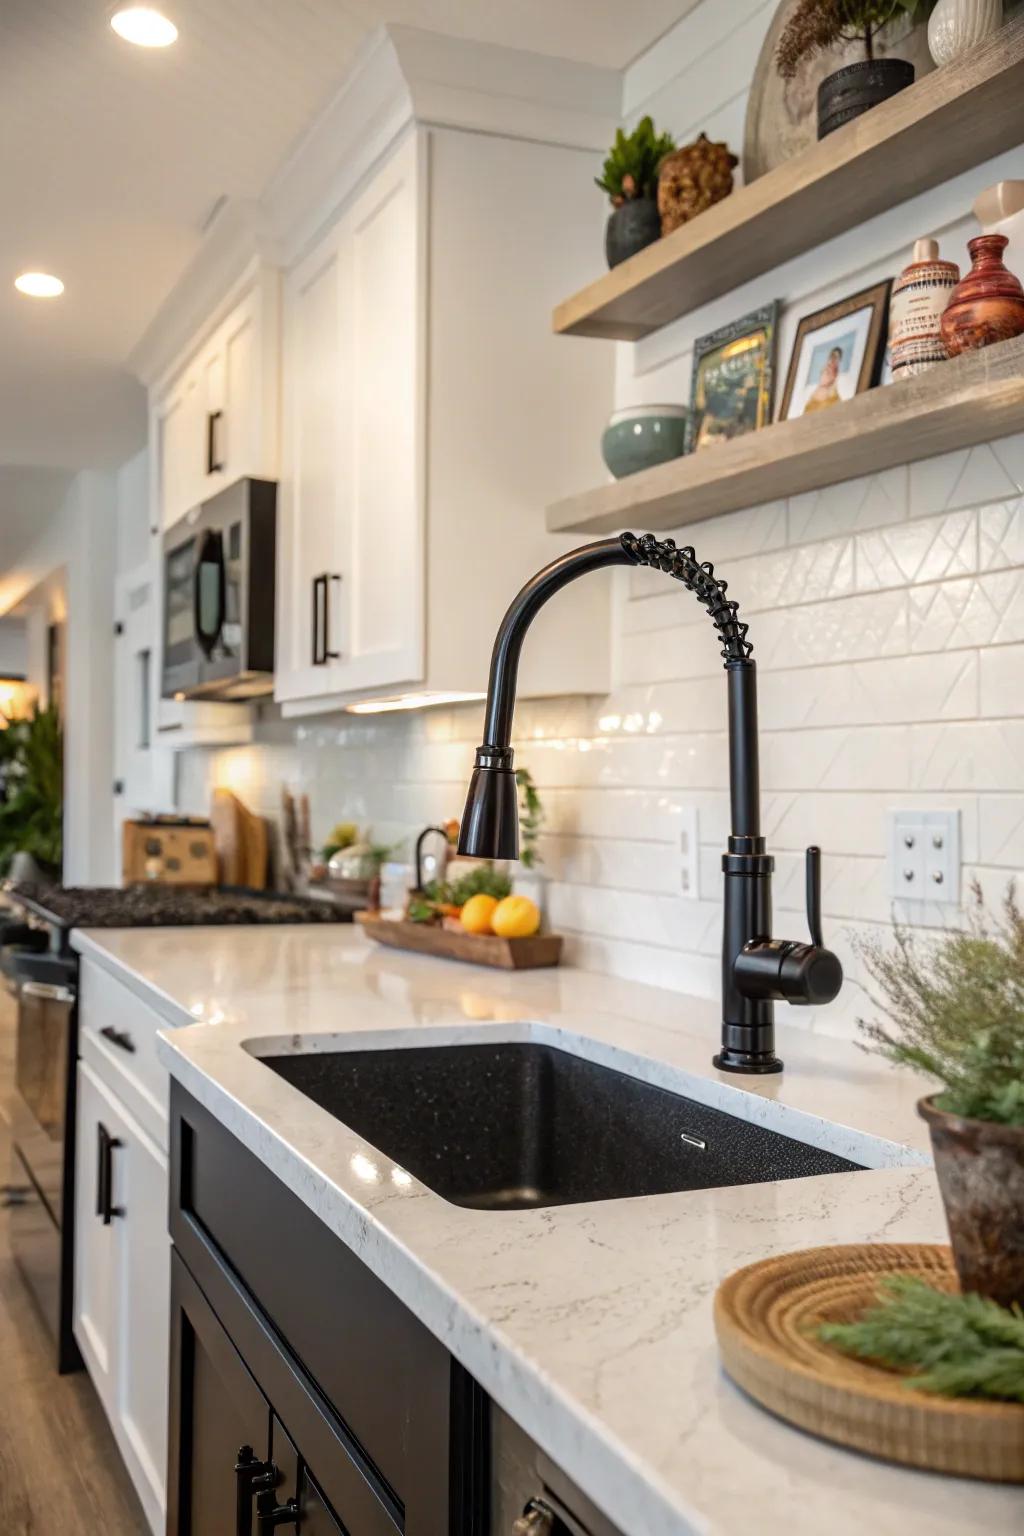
(316, 1518)
(216, 1409)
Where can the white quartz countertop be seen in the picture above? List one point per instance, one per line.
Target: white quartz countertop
(590, 1324)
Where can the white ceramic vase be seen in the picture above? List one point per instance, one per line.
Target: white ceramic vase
(958, 25)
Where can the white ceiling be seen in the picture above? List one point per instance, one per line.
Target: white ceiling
(114, 157)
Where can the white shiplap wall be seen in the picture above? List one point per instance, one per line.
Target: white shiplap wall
(887, 616)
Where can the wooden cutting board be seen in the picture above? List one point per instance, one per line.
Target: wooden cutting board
(227, 818)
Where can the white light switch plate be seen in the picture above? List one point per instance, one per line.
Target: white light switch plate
(924, 857)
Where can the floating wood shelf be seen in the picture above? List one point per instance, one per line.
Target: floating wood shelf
(945, 123)
(970, 399)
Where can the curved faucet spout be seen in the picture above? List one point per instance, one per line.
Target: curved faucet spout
(756, 970)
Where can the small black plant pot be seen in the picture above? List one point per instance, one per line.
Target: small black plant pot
(631, 226)
(857, 88)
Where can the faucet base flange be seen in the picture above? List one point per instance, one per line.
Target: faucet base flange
(752, 1062)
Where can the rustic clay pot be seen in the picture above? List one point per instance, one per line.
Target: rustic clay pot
(980, 1167)
(856, 88)
(631, 226)
(988, 304)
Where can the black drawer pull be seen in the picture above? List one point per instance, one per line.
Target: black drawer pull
(251, 1476)
(270, 1514)
(119, 1037)
(106, 1147)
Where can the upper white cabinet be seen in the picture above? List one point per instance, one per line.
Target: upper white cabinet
(214, 417)
(428, 415)
(350, 615)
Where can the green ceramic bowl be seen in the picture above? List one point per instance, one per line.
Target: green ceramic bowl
(640, 436)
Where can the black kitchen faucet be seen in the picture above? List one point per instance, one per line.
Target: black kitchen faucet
(757, 970)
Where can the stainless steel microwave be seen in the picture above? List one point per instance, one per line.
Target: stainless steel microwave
(218, 590)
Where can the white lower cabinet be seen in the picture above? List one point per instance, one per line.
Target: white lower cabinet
(122, 1281)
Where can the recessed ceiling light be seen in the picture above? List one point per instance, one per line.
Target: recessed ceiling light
(39, 285)
(144, 26)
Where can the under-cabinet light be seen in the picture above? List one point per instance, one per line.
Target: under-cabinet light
(410, 701)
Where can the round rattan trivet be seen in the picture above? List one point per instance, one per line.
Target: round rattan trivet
(766, 1317)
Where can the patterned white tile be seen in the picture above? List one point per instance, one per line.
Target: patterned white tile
(982, 610)
(1001, 535)
(886, 691)
(977, 755)
(927, 549)
(868, 502)
(1001, 680)
(1009, 451)
(866, 758)
(848, 629)
(967, 478)
(1001, 830)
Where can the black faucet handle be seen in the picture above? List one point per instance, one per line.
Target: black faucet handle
(813, 874)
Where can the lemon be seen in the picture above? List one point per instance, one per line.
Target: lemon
(515, 918)
(477, 912)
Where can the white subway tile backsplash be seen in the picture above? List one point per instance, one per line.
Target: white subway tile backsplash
(1001, 535)
(967, 478)
(872, 501)
(927, 549)
(1001, 678)
(976, 611)
(1001, 831)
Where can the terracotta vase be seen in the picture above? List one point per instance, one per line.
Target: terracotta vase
(980, 1168)
(988, 305)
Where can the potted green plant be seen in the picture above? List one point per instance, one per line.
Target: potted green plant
(817, 26)
(32, 775)
(630, 178)
(954, 1009)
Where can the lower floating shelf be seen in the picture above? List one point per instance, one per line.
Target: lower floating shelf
(968, 400)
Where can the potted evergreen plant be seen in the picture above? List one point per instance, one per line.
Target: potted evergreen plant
(630, 178)
(32, 790)
(817, 26)
(954, 1009)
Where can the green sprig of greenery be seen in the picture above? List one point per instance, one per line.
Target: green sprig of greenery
(484, 880)
(954, 1009)
(531, 819)
(952, 1345)
(631, 169)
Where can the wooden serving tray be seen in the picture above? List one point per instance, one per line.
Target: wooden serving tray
(766, 1317)
(475, 948)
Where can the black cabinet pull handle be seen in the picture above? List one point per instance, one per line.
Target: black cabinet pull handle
(270, 1514)
(319, 590)
(214, 464)
(329, 655)
(106, 1147)
(251, 1476)
(119, 1037)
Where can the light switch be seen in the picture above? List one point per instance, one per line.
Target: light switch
(924, 856)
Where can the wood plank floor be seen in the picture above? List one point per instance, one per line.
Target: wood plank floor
(60, 1471)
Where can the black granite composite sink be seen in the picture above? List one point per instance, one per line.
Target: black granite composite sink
(517, 1125)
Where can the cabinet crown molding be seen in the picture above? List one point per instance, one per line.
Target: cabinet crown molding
(403, 76)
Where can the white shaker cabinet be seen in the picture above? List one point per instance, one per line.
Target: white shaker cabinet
(213, 418)
(122, 1246)
(428, 415)
(350, 615)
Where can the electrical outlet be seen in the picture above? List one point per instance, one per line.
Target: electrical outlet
(689, 851)
(924, 856)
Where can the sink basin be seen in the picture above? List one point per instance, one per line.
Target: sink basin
(510, 1126)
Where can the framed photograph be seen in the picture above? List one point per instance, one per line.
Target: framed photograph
(733, 378)
(837, 353)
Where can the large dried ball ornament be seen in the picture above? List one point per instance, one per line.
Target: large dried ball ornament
(691, 179)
